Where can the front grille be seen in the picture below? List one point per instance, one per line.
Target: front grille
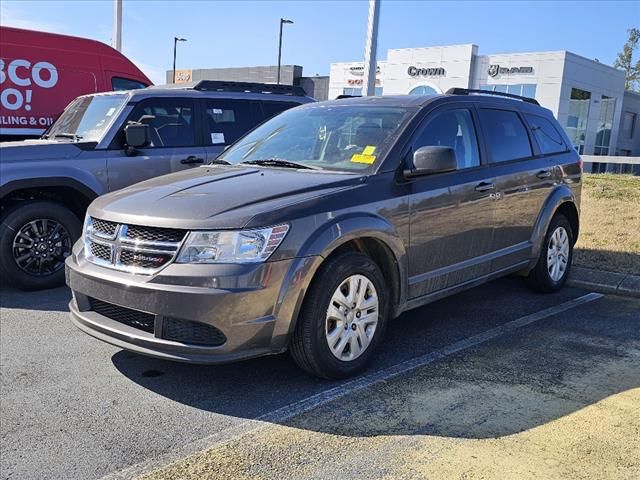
(127, 316)
(134, 248)
(186, 331)
(129, 258)
(155, 234)
(104, 227)
(103, 252)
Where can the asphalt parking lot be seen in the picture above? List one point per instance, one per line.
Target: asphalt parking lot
(552, 395)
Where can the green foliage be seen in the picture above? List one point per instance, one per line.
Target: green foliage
(625, 62)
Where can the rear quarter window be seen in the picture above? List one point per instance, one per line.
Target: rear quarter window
(546, 134)
(505, 135)
(271, 109)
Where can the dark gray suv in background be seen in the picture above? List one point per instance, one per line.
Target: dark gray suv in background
(95, 147)
(313, 230)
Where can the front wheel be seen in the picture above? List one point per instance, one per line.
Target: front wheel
(35, 239)
(343, 318)
(554, 263)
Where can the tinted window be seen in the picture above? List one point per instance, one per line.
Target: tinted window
(171, 122)
(505, 134)
(271, 109)
(546, 134)
(227, 120)
(118, 84)
(452, 128)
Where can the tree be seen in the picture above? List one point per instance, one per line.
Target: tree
(625, 60)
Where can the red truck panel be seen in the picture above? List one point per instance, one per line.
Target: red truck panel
(40, 73)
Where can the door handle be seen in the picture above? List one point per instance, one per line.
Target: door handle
(543, 174)
(191, 160)
(485, 187)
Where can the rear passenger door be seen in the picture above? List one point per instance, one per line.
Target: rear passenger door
(225, 121)
(451, 213)
(523, 181)
(175, 142)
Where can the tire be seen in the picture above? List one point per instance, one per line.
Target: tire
(315, 330)
(57, 229)
(543, 278)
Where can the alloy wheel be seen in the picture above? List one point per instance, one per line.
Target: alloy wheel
(41, 246)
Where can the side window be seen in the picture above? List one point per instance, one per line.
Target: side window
(505, 134)
(547, 136)
(118, 83)
(171, 121)
(227, 120)
(271, 109)
(452, 128)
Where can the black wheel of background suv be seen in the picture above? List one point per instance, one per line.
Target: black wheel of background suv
(35, 239)
(343, 318)
(554, 263)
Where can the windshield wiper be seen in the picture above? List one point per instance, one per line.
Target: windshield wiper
(218, 161)
(72, 136)
(276, 162)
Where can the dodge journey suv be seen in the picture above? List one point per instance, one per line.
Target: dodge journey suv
(315, 229)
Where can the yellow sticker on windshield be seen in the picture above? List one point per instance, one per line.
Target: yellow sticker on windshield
(368, 150)
(362, 158)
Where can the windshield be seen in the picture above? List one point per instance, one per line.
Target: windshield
(87, 118)
(336, 137)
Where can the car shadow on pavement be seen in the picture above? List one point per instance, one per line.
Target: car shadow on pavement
(55, 299)
(509, 385)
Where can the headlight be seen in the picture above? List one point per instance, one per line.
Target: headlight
(243, 246)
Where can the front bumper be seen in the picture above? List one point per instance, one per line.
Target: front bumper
(251, 306)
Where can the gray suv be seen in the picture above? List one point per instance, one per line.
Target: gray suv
(105, 142)
(315, 229)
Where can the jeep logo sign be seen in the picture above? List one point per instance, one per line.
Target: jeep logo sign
(495, 70)
(426, 72)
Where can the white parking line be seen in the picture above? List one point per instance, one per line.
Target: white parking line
(307, 404)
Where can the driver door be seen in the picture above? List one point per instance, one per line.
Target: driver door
(175, 142)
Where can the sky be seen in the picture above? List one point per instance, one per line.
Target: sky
(245, 33)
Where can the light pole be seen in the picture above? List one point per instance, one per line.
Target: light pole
(370, 50)
(175, 44)
(282, 22)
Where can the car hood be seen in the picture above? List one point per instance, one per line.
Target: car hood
(217, 196)
(37, 150)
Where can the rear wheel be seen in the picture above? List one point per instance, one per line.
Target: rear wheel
(554, 263)
(35, 239)
(343, 318)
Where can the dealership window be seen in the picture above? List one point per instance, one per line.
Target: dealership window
(576, 127)
(227, 120)
(548, 138)
(605, 124)
(522, 89)
(357, 91)
(628, 125)
(171, 122)
(452, 128)
(423, 90)
(506, 135)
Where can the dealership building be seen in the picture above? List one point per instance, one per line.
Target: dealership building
(587, 97)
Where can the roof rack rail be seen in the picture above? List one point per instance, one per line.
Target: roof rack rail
(222, 86)
(339, 97)
(468, 91)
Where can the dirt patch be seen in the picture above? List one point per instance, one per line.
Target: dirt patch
(610, 224)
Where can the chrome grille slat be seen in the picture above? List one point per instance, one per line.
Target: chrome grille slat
(131, 248)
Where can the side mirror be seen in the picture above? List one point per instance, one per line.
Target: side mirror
(432, 159)
(136, 135)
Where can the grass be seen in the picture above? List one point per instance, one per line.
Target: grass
(610, 224)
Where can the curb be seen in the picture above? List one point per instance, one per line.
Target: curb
(605, 282)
